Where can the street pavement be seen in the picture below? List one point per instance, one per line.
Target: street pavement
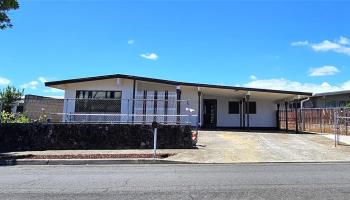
(207, 181)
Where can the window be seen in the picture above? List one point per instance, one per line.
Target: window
(252, 107)
(98, 101)
(233, 107)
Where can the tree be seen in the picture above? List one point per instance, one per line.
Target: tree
(9, 96)
(5, 7)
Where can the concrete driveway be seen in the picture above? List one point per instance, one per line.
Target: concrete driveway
(237, 147)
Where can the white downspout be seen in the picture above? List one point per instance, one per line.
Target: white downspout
(301, 110)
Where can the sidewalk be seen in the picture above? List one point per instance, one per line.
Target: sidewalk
(345, 139)
(87, 152)
(87, 157)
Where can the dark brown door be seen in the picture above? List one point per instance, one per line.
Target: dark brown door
(210, 113)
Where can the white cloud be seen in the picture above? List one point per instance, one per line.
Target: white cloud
(42, 79)
(300, 43)
(53, 90)
(323, 71)
(253, 77)
(149, 56)
(340, 45)
(285, 84)
(343, 40)
(4, 81)
(131, 41)
(326, 45)
(30, 85)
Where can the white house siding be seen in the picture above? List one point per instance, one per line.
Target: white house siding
(223, 118)
(141, 86)
(126, 87)
(264, 117)
(123, 85)
(190, 94)
(265, 113)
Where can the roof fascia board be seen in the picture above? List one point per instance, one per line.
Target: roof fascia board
(169, 82)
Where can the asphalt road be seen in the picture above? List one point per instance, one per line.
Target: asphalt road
(231, 181)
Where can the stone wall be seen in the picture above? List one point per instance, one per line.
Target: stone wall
(37, 136)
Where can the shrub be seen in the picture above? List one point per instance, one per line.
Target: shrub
(7, 117)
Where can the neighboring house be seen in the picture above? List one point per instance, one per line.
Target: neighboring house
(39, 107)
(329, 100)
(36, 107)
(134, 99)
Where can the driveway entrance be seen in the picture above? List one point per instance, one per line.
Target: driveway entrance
(230, 146)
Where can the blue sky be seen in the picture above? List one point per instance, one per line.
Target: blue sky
(278, 45)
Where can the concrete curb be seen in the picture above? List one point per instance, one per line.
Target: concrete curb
(144, 161)
(85, 162)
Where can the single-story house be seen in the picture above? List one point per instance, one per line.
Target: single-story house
(329, 100)
(135, 99)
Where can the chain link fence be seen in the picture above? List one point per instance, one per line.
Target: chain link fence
(135, 111)
(321, 120)
(124, 111)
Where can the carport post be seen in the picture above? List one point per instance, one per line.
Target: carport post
(155, 129)
(286, 114)
(199, 108)
(133, 100)
(244, 112)
(296, 116)
(240, 113)
(178, 104)
(278, 117)
(248, 120)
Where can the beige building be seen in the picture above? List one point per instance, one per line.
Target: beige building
(38, 106)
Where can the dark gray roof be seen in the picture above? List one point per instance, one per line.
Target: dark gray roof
(169, 82)
(332, 93)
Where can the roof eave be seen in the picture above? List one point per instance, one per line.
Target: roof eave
(169, 82)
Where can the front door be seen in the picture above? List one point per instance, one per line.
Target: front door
(210, 113)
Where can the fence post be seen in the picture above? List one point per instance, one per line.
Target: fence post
(296, 117)
(335, 123)
(66, 110)
(128, 111)
(155, 127)
(155, 105)
(278, 117)
(189, 115)
(321, 119)
(346, 121)
(286, 114)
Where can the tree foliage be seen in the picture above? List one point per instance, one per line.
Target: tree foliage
(9, 96)
(5, 7)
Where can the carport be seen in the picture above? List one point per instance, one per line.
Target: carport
(244, 108)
